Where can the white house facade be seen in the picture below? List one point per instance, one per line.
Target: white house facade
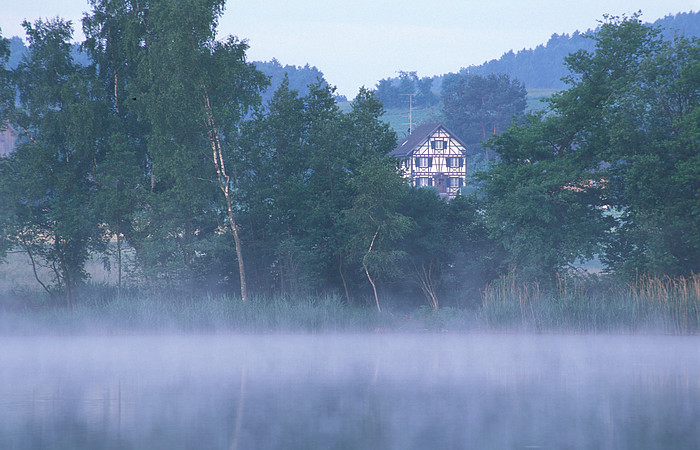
(433, 156)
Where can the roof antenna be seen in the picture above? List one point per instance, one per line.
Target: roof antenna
(410, 111)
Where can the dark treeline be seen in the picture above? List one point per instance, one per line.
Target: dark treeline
(299, 77)
(395, 92)
(540, 68)
(161, 154)
(612, 166)
(161, 149)
(543, 67)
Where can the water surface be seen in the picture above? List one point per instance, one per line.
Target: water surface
(424, 391)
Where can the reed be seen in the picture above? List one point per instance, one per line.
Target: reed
(206, 313)
(676, 300)
(585, 304)
(572, 304)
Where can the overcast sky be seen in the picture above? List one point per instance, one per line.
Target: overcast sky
(358, 42)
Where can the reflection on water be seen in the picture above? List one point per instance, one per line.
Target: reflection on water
(350, 391)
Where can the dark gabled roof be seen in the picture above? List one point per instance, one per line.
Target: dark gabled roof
(418, 138)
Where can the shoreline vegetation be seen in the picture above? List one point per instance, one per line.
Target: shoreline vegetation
(161, 160)
(575, 305)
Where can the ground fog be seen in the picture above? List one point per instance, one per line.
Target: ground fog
(399, 391)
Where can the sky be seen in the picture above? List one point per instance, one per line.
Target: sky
(358, 42)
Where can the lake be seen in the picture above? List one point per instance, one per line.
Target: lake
(336, 391)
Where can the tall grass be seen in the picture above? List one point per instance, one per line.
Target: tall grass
(668, 305)
(573, 304)
(677, 300)
(208, 313)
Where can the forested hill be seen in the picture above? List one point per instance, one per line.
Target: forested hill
(299, 77)
(543, 68)
(538, 68)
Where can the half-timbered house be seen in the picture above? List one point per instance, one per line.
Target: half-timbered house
(433, 156)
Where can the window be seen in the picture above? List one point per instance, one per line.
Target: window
(424, 162)
(438, 145)
(424, 181)
(454, 162)
(454, 182)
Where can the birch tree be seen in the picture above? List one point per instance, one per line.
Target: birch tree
(191, 93)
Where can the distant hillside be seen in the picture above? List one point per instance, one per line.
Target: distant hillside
(543, 66)
(18, 48)
(397, 116)
(540, 69)
(299, 77)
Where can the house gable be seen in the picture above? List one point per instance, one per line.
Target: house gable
(433, 156)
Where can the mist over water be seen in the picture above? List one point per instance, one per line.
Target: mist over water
(349, 391)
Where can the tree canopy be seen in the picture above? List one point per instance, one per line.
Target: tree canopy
(477, 108)
(611, 167)
(162, 155)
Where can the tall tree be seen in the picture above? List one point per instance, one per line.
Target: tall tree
(49, 181)
(622, 139)
(540, 202)
(654, 156)
(113, 32)
(191, 92)
(273, 178)
(303, 159)
(372, 224)
(6, 104)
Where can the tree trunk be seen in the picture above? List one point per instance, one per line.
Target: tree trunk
(425, 277)
(66, 282)
(342, 277)
(364, 266)
(224, 182)
(119, 264)
(36, 275)
(239, 247)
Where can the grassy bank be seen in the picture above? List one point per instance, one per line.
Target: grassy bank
(208, 313)
(670, 306)
(663, 305)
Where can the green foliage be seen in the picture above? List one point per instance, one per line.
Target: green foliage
(374, 226)
(450, 254)
(313, 175)
(394, 92)
(539, 202)
(478, 107)
(610, 167)
(161, 140)
(48, 184)
(655, 149)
